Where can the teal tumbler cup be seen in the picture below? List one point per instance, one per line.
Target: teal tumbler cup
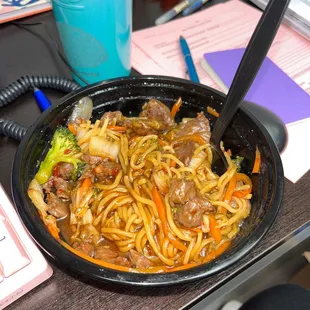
(96, 37)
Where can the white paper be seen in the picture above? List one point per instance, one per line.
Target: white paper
(295, 158)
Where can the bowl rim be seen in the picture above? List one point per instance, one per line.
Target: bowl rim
(53, 248)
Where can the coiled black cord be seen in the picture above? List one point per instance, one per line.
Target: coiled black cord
(21, 86)
(26, 83)
(12, 129)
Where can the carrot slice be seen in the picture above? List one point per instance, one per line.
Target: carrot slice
(215, 232)
(162, 142)
(51, 225)
(210, 256)
(86, 183)
(194, 137)
(215, 253)
(176, 107)
(54, 231)
(179, 245)
(173, 164)
(194, 229)
(161, 208)
(117, 128)
(72, 128)
(186, 266)
(212, 111)
(243, 193)
(230, 189)
(222, 248)
(256, 167)
(247, 181)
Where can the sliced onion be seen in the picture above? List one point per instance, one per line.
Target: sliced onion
(89, 232)
(160, 181)
(83, 109)
(100, 146)
(87, 218)
(197, 160)
(205, 226)
(80, 132)
(73, 219)
(35, 193)
(186, 119)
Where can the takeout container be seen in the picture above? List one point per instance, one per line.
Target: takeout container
(128, 96)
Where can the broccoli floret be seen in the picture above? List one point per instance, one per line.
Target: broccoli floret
(237, 161)
(63, 146)
(79, 170)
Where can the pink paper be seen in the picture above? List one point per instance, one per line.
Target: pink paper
(223, 26)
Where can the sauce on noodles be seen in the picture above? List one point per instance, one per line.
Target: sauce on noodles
(138, 194)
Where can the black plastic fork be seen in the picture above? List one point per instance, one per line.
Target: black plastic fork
(250, 64)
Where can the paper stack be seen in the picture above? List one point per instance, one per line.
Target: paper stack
(224, 26)
(297, 15)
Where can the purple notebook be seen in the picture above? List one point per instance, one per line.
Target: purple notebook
(272, 88)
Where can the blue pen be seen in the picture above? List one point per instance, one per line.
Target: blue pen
(196, 6)
(41, 99)
(174, 12)
(189, 60)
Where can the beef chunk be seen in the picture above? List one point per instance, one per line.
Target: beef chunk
(156, 110)
(199, 125)
(190, 204)
(154, 118)
(145, 127)
(64, 171)
(181, 191)
(107, 171)
(56, 206)
(110, 256)
(190, 214)
(58, 186)
(92, 160)
(139, 260)
(185, 151)
(111, 116)
(84, 247)
(88, 173)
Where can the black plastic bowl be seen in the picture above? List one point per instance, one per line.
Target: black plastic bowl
(128, 95)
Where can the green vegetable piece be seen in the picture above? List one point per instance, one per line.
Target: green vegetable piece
(237, 161)
(63, 148)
